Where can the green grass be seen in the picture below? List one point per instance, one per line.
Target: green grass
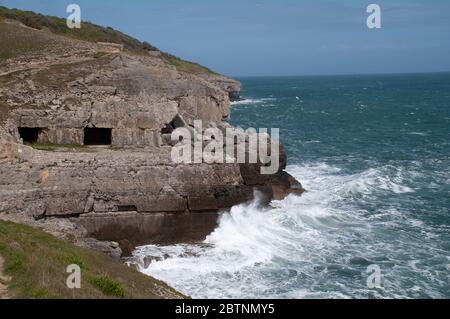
(37, 263)
(54, 147)
(94, 33)
(186, 66)
(108, 286)
(44, 147)
(15, 43)
(88, 32)
(5, 54)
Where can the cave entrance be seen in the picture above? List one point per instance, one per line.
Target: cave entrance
(29, 135)
(127, 208)
(97, 136)
(177, 122)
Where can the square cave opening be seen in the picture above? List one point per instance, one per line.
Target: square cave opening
(29, 135)
(97, 136)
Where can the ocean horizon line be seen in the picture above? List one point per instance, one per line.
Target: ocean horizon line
(337, 75)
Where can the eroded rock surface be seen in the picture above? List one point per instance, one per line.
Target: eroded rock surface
(129, 191)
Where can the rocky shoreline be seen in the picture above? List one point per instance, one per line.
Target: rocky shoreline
(127, 192)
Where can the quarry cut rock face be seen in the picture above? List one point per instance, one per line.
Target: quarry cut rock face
(84, 135)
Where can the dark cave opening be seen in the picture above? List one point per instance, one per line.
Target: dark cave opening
(29, 135)
(97, 136)
(127, 208)
(177, 122)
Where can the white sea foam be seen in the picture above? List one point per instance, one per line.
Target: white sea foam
(252, 101)
(314, 246)
(418, 133)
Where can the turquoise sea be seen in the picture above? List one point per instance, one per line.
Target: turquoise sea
(373, 151)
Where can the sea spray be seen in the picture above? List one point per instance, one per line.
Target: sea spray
(317, 245)
(377, 197)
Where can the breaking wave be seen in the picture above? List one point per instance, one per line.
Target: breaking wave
(318, 245)
(251, 101)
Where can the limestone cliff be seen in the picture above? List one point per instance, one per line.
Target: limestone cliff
(55, 89)
(231, 86)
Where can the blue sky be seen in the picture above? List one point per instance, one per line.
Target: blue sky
(279, 37)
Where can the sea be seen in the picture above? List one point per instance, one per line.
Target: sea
(373, 152)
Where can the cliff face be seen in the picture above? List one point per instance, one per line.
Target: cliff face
(54, 89)
(231, 86)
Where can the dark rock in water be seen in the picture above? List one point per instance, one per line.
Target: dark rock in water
(126, 246)
(133, 229)
(235, 96)
(100, 119)
(107, 247)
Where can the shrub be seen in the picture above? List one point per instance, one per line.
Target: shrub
(108, 286)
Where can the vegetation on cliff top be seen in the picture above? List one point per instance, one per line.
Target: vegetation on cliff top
(95, 33)
(37, 263)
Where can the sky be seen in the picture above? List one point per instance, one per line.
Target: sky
(279, 37)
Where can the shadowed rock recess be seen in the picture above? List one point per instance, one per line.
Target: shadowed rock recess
(85, 141)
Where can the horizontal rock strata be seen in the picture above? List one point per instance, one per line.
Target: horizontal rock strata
(65, 95)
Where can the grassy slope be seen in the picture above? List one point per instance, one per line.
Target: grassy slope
(37, 263)
(16, 42)
(95, 33)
